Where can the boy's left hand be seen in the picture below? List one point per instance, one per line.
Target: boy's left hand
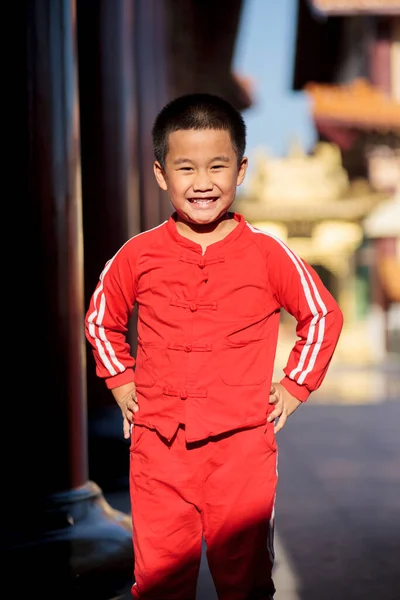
(285, 405)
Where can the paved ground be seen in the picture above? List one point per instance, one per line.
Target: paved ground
(338, 502)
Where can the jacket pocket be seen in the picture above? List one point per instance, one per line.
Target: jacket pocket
(269, 437)
(245, 363)
(139, 432)
(145, 375)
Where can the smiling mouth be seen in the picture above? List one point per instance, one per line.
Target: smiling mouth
(203, 201)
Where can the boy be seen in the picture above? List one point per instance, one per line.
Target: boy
(209, 288)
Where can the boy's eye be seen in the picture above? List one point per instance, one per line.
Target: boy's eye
(185, 169)
(217, 167)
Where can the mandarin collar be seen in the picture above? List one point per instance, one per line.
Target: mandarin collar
(216, 246)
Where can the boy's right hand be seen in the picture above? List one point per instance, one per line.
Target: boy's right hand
(125, 396)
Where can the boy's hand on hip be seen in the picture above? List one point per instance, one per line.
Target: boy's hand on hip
(125, 396)
(285, 404)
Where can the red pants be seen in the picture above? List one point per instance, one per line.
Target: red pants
(222, 489)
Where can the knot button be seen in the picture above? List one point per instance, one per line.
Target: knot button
(202, 263)
(193, 307)
(184, 395)
(188, 348)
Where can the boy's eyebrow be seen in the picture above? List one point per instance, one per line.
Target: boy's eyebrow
(181, 160)
(222, 158)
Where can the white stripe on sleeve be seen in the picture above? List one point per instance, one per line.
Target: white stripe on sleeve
(95, 319)
(318, 318)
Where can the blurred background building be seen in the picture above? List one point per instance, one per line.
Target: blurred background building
(318, 84)
(334, 195)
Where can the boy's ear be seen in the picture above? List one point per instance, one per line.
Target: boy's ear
(242, 170)
(159, 175)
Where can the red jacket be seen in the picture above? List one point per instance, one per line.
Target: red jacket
(208, 327)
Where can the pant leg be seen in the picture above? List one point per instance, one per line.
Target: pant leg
(238, 514)
(167, 528)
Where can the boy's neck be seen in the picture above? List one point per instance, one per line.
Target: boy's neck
(205, 235)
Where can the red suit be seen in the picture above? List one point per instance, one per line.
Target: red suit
(203, 458)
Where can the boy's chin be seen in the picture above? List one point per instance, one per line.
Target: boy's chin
(205, 220)
(206, 216)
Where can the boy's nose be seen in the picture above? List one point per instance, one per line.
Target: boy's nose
(202, 183)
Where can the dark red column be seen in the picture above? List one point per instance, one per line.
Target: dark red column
(152, 75)
(62, 537)
(122, 82)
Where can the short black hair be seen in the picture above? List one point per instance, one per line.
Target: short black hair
(198, 111)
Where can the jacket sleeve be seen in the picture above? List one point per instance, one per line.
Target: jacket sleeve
(106, 321)
(299, 290)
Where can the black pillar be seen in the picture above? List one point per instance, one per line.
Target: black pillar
(63, 540)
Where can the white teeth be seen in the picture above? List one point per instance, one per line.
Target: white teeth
(203, 201)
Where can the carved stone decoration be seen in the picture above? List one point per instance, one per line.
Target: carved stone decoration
(301, 190)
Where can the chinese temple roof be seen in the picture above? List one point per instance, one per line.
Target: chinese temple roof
(358, 105)
(351, 7)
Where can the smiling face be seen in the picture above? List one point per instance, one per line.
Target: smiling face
(201, 174)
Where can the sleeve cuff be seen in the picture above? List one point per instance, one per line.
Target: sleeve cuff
(126, 377)
(298, 391)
